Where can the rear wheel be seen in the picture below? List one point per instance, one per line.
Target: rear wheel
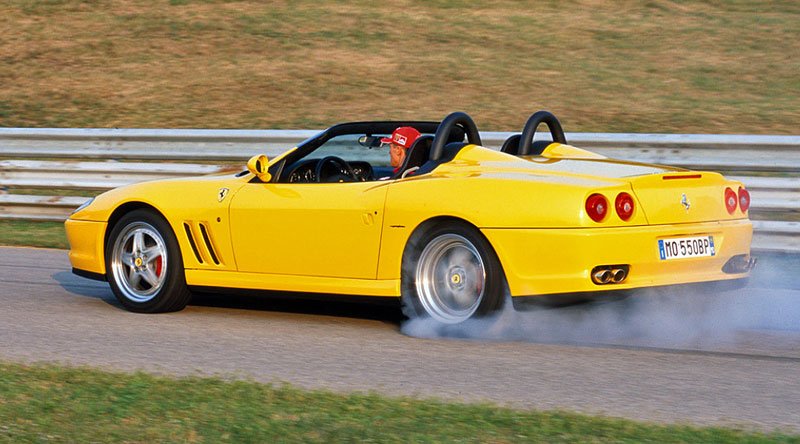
(144, 265)
(451, 274)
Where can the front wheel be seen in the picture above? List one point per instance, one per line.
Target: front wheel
(450, 274)
(144, 265)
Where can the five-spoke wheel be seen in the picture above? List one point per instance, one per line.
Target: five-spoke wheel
(138, 261)
(144, 265)
(450, 274)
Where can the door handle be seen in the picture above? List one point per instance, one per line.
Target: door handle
(367, 218)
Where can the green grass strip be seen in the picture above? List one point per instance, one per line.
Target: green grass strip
(33, 234)
(56, 404)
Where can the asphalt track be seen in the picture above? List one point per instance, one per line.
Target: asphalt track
(750, 378)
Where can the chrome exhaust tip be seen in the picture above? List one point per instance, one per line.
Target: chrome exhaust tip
(618, 275)
(602, 276)
(609, 274)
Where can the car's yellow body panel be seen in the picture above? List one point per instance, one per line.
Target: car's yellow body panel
(348, 238)
(340, 238)
(184, 203)
(87, 245)
(287, 282)
(551, 261)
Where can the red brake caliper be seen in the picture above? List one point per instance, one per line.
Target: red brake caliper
(158, 266)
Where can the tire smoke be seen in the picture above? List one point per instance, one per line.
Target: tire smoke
(667, 317)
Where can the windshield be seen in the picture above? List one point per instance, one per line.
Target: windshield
(347, 147)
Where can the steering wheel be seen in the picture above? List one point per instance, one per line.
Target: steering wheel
(526, 141)
(447, 125)
(340, 165)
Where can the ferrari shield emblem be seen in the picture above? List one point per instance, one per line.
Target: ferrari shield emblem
(222, 193)
(685, 202)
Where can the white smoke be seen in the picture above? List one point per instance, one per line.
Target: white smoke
(670, 317)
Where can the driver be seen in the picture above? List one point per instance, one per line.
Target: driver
(401, 140)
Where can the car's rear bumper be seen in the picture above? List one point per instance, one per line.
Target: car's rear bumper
(554, 261)
(86, 242)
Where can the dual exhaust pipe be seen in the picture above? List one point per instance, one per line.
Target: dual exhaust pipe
(610, 274)
(615, 274)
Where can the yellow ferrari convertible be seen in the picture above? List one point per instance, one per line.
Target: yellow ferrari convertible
(450, 233)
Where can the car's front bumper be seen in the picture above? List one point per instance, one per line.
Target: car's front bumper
(86, 241)
(555, 261)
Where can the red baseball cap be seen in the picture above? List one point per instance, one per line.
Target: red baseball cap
(403, 136)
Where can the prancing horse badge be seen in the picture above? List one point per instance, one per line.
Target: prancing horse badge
(222, 193)
(685, 202)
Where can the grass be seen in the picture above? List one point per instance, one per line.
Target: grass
(638, 66)
(52, 192)
(33, 234)
(56, 404)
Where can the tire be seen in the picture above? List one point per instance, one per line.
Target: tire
(450, 273)
(144, 264)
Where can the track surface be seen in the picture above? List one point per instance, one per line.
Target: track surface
(50, 315)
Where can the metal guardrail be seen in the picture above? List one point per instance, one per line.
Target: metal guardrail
(734, 152)
(99, 159)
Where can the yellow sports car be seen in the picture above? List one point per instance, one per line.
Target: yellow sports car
(450, 232)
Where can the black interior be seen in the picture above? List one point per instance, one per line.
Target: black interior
(448, 153)
(334, 169)
(416, 155)
(313, 170)
(511, 145)
(299, 167)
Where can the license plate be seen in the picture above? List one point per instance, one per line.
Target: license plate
(682, 247)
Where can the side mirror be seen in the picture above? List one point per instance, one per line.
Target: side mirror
(258, 166)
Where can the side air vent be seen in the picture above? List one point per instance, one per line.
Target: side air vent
(207, 241)
(190, 236)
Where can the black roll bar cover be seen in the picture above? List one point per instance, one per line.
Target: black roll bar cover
(443, 132)
(526, 141)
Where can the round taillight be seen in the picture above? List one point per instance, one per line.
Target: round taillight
(744, 199)
(624, 205)
(730, 200)
(597, 207)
